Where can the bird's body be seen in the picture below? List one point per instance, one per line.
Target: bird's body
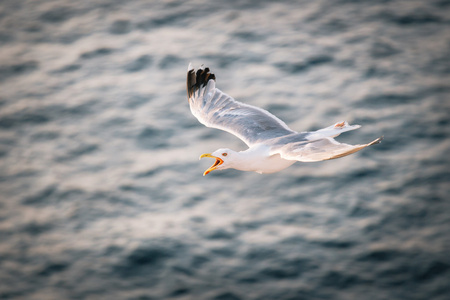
(258, 159)
(273, 146)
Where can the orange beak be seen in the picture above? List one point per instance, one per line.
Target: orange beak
(218, 162)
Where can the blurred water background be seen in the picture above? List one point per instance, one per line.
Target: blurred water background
(102, 195)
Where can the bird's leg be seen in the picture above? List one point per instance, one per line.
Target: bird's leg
(339, 125)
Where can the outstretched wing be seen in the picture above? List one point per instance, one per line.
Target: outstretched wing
(215, 109)
(321, 149)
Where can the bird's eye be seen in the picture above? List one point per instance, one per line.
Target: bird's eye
(224, 154)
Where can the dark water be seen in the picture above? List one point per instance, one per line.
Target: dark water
(102, 195)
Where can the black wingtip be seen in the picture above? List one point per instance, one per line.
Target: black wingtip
(197, 80)
(377, 141)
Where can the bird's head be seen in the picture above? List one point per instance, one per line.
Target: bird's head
(224, 159)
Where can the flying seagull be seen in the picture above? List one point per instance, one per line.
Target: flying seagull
(273, 146)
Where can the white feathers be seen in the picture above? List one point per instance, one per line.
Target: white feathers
(272, 144)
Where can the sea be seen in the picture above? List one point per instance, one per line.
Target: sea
(102, 195)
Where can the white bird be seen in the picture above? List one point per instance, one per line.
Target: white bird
(273, 146)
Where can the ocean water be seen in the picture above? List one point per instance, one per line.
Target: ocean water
(101, 191)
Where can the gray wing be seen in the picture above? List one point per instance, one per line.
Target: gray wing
(322, 149)
(215, 109)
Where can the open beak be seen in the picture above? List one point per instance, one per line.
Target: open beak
(218, 162)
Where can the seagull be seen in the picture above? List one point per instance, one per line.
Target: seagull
(272, 145)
